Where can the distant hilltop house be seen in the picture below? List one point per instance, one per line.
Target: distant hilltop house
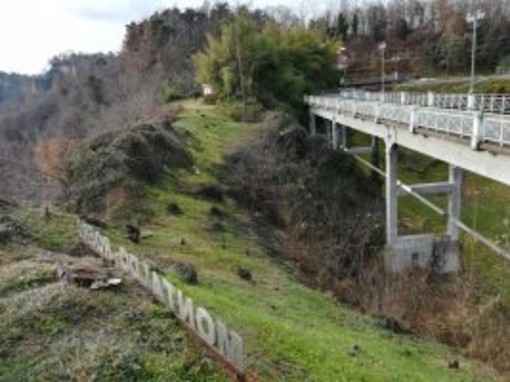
(67, 69)
(343, 58)
(207, 90)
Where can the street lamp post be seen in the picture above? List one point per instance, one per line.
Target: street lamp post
(396, 61)
(382, 48)
(474, 16)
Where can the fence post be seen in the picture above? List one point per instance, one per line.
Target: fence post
(478, 130)
(430, 99)
(471, 102)
(377, 113)
(403, 98)
(413, 120)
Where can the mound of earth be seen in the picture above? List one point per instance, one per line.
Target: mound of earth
(110, 168)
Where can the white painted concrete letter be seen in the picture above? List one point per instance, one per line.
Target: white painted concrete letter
(205, 326)
(230, 345)
(186, 312)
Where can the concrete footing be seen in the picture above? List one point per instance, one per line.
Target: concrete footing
(430, 252)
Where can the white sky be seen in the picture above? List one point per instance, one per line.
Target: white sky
(33, 31)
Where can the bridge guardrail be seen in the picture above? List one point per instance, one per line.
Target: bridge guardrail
(472, 125)
(491, 103)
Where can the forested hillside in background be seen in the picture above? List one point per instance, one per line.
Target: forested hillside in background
(423, 37)
(43, 117)
(192, 184)
(262, 58)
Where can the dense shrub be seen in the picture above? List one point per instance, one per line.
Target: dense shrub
(129, 158)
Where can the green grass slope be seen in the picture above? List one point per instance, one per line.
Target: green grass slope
(291, 333)
(52, 331)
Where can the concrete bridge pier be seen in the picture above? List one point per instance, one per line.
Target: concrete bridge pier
(428, 251)
(312, 124)
(334, 134)
(454, 201)
(343, 141)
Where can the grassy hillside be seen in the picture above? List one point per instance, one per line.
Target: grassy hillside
(53, 331)
(291, 332)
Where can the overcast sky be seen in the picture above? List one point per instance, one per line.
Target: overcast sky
(33, 31)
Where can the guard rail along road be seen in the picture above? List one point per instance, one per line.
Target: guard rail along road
(492, 103)
(476, 126)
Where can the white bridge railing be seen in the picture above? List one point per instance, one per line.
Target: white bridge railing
(474, 126)
(491, 103)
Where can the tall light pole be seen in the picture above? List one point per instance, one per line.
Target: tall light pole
(382, 48)
(396, 61)
(474, 17)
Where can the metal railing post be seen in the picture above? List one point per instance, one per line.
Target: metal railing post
(403, 98)
(471, 102)
(430, 99)
(413, 120)
(377, 113)
(478, 130)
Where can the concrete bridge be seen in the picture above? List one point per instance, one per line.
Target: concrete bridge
(468, 132)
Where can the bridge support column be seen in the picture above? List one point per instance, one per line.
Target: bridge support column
(334, 135)
(343, 142)
(391, 194)
(312, 124)
(454, 202)
(434, 253)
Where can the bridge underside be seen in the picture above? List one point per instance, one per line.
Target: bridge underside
(439, 253)
(491, 164)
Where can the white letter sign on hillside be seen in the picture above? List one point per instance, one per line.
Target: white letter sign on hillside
(221, 340)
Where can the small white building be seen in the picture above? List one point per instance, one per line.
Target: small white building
(207, 90)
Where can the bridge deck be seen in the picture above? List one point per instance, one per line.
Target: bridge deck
(471, 140)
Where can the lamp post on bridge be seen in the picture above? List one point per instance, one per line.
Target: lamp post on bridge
(396, 61)
(473, 16)
(382, 49)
